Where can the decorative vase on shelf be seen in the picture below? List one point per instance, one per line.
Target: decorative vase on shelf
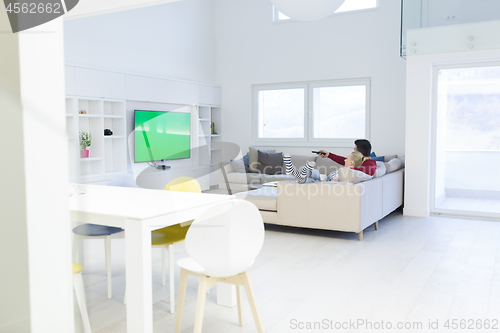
(85, 142)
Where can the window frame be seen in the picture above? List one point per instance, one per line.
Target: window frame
(276, 12)
(308, 87)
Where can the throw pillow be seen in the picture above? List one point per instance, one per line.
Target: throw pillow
(238, 166)
(348, 175)
(378, 158)
(270, 163)
(381, 170)
(246, 161)
(253, 161)
(393, 165)
(402, 159)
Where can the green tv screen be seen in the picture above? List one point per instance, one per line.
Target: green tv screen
(162, 135)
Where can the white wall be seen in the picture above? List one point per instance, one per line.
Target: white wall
(174, 40)
(250, 49)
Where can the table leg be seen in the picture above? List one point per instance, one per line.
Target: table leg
(138, 278)
(226, 294)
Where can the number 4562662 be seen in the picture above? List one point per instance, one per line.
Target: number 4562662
(34, 8)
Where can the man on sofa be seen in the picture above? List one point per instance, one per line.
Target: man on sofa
(364, 146)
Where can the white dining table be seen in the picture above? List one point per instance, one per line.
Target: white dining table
(138, 211)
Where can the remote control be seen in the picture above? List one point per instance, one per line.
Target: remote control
(318, 152)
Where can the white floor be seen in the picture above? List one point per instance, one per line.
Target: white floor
(471, 205)
(410, 271)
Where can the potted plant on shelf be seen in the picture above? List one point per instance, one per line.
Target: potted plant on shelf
(85, 141)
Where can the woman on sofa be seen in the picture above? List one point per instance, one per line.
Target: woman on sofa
(363, 146)
(308, 174)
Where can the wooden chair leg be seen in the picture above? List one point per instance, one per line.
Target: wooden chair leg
(251, 300)
(180, 301)
(163, 275)
(171, 268)
(107, 246)
(80, 298)
(240, 313)
(200, 306)
(360, 235)
(376, 225)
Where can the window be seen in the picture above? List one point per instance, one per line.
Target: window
(330, 112)
(347, 6)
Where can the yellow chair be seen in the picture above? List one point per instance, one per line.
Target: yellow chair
(166, 237)
(80, 295)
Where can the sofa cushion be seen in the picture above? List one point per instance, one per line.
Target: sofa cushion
(326, 166)
(264, 198)
(402, 159)
(273, 178)
(387, 158)
(299, 161)
(381, 170)
(253, 160)
(352, 176)
(243, 178)
(270, 163)
(238, 166)
(393, 165)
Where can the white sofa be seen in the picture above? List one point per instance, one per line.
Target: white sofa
(333, 206)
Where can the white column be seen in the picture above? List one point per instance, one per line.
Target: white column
(138, 274)
(35, 250)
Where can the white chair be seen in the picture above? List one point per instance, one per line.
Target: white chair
(95, 231)
(222, 244)
(80, 296)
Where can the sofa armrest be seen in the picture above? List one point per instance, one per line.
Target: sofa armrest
(224, 169)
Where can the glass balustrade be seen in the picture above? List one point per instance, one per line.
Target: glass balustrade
(417, 14)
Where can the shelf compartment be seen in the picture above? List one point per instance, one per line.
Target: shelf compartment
(204, 112)
(114, 108)
(70, 107)
(115, 155)
(117, 125)
(92, 166)
(93, 126)
(90, 106)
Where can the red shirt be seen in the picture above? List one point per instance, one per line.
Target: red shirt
(369, 166)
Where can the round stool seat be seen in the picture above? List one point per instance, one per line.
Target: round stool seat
(169, 235)
(77, 268)
(95, 230)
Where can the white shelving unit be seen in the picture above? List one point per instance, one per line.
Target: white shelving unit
(108, 154)
(210, 145)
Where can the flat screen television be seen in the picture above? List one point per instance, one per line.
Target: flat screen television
(162, 135)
